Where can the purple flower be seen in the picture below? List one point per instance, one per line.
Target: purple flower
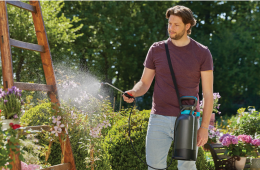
(211, 136)
(5, 101)
(219, 113)
(216, 96)
(217, 133)
(201, 103)
(212, 132)
(15, 116)
(211, 127)
(227, 141)
(222, 137)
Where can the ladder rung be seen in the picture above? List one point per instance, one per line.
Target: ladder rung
(34, 129)
(27, 46)
(22, 5)
(33, 86)
(64, 166)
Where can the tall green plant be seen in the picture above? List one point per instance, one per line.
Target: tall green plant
(10, 103)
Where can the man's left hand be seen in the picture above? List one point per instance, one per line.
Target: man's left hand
(202, 137)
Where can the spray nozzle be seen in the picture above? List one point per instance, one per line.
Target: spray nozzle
(128, 95)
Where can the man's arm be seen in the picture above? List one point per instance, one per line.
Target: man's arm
(207, 88)
(142, 86)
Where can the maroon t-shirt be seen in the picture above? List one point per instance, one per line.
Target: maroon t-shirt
(187, 62)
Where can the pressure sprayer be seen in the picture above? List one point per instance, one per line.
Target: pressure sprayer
(185, 131)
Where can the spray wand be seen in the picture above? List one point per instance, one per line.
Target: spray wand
(124, 93)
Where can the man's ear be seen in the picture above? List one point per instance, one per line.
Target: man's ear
(187, 26)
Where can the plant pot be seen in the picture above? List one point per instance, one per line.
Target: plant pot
(255, 164)
(6, 123)
(240, 165)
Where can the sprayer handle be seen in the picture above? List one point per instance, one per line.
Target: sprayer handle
(128, 95)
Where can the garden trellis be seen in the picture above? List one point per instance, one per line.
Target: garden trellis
(50, 87)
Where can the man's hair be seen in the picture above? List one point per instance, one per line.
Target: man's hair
(185, 14)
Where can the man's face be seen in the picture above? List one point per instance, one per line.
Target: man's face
(176, 28)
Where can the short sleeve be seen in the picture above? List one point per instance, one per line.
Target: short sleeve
(207, 62)
(148, 62)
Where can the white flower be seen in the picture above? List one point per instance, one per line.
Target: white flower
(56, 131)
(60, 125)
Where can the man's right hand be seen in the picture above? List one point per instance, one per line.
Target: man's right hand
(129, 100)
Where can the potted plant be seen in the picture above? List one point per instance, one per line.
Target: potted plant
(10, 106)
(255, 161)
(216, 98)
(213, 134)
(237, 146)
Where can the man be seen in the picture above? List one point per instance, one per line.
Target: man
(191, 61)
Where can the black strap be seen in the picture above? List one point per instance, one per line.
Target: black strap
(172, 73)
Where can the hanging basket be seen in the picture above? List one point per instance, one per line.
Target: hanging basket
(6, 123)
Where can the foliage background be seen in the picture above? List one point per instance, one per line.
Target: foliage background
(110, 40)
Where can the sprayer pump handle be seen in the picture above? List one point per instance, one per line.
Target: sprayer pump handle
(128, 95)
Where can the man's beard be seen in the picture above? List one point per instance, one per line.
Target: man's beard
(178, 36)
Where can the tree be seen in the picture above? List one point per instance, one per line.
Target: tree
(27, 66)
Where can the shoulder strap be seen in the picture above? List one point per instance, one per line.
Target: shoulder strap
(172, 73)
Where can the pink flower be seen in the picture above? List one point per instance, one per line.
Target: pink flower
(234, 140)
(255, 142)
(245, 138)
(24, 166)
(33, 167)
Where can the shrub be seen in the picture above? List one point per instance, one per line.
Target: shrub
(119, 152)
(79, 130)
(41, 114)
(37, 115)
(248, 125)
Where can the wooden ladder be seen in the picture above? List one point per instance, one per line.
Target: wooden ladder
(43, 47)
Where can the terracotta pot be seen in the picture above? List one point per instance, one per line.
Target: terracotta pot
(241, 163)
(255, 164)
(6, 123)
